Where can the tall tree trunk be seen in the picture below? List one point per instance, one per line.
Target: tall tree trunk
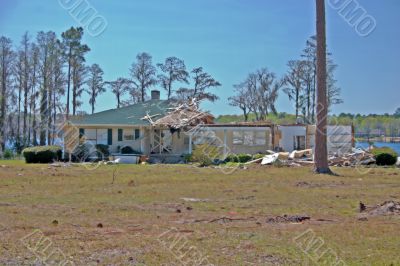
(19, 117)
(297, 104)
(118, 101)
(44, 104)
(321, 150)
(69, 80)
(32, 115)
(3, 97)
(54, 115)
(49, 115)
(26, 93)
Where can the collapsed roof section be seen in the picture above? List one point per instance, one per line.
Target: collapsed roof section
(187, 114)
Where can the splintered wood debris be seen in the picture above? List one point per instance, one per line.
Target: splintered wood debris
(187, 114)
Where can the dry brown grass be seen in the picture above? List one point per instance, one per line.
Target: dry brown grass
(68, 204)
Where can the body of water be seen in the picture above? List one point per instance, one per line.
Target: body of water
(394, 146)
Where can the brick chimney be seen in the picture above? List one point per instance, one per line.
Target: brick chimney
(155, 95)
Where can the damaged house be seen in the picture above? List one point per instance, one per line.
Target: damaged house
(162, 129)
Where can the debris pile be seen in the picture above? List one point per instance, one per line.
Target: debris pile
(306, 158)
(289, 219)
(186, 114)
(386, 208)
(357, 157)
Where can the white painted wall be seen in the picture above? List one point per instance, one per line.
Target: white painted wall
(288, 133)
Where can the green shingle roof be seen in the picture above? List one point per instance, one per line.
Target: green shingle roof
(129, 115)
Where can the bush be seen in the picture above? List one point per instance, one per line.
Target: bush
(8, 154)
(42, 154)
(232, 158)
(129, 150)
(81, 152)
(103, 151)
(188, 158)
(385, 156)
(244, 158)
(238, 158)
(206, 154)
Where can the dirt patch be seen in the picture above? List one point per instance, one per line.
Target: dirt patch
(219, 220)
(384, 209)
(274, 260)
(304, 184)
(289, 219)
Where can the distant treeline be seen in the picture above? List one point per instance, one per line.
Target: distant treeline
(366, 126)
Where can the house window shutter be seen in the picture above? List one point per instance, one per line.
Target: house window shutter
(120, 134)
(81, 132)
(137, 134)
(109, 137)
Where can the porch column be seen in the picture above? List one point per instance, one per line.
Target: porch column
(225, 142)
(190, 144)
(142, 134)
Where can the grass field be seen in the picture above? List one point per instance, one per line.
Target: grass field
(142, 218)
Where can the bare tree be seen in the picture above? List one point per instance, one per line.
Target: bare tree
(333, 91)
(294, 81)
(143, 74)
(258, 94)
(19, 86)
(95, 84)
(321, 149)
(57, 90)
(47, 42)
(79, 75)
(174, 70)
(309, 57)
(241, 99)
(6, 62)
(34, 65)
(120, 87)
(202, 82)
(74, 51)
(183, 95)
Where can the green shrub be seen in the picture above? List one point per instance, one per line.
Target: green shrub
(385, 156)
(42, 154)
(8, 154)
(244, 158)
(129, 150)
(206, 154)
(103, 151)
(238, 158)
(81, 152)
(86, 152)
(188, 158)
(232, 158)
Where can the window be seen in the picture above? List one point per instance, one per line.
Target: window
(81, 132)
(260, 138)
(120, 134)
(237, 137)
(109, 136)
(128, 135)
(137, 134)
(249, 138)
(102, 136)
(90, 135)
(204, 137)
(132, 134)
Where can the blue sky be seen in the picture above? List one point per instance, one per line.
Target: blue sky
(230, 38)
